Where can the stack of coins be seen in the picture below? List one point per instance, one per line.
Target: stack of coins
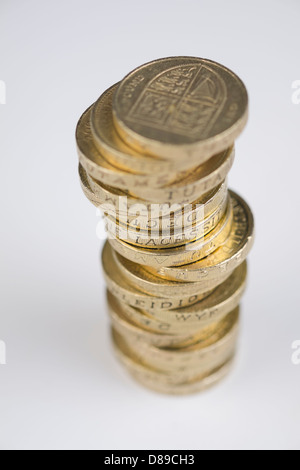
(154, 152)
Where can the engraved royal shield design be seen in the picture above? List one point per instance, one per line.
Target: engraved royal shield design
(185, 100)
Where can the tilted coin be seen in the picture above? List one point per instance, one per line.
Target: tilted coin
(179, 107)
(226, 258)
(148, 321)
(98, 168)
(192, 357)
(128, 328)
(219, 303)
(145, 215)
(106, 197)
(201, 384)
(168, 237)
(178, 370)
(112, 147)
(198, 340)
(117, 152)
(202, 179)
(167, 377)
(179, 255)
(120, 287)
(137, 324)
(224, 332)
(138, 276)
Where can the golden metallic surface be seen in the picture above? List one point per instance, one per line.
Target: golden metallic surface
(153, 217)
(225, 298)
(117, 152)
(179, 255)
(175, 377)
(202, 346)
(143, 280)
(190, 358)
(173, 372)
(147, 321)
(186, 190)
(196, 386)
(113, 148)
(202, 179)
(136, 324)
(168, 237)
(183, 345)
(106, 195)
(154, 154)
(195, 181)
(180, 107)
(120, 287)
(134, 213)
(98, 168)
(141, 330)
(226, 258)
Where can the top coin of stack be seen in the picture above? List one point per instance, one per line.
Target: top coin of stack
(154, 153)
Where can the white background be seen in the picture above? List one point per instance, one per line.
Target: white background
(61, 387)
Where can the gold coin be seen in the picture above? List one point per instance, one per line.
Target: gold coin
(128, 328)
(179, 107)
(202, 179)
(134, 323)
(189, 341)
(192, 357)
(106, 197)
(121, 210)
(226, 258)
(147, 321)
(198, 182)
(150, 217)
(171, 372)
(112, 147)
(137, 276)
(134, 213)
(179, 255)
(139, 324)
(129, 207)
(117, 152)
(165, 377)
(168, 237)
(205, 345)
(199, 385)
(120, 287)
(213, 308)
(100, 169)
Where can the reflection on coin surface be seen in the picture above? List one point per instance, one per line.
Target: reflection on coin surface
(180, 106)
